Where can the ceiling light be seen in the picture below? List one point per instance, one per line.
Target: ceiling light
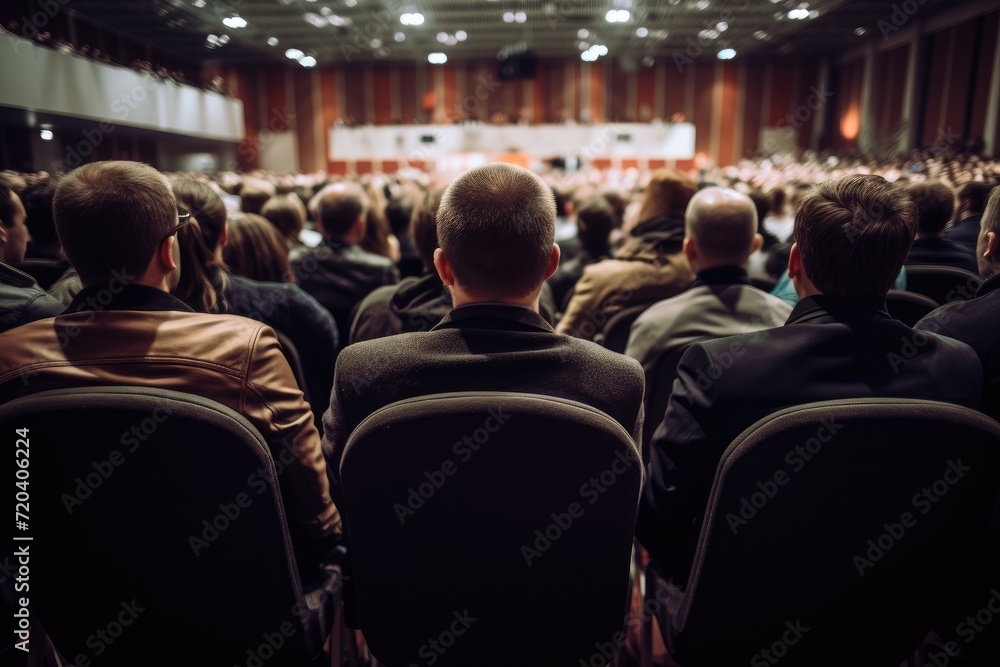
(223, 39)
(508, 17)
(583, 33)
(798, 14)
(272, 41)
(761, 35)
(442, 37)
(641, 32)
(235, 22)
(648, 61)
(451, 41)
(294, 54)
(412, 18)
(722, 26)
(617, 16)
(46, 135)
(461, 35)
(337, 21)
(602, 50)
(199, 3)
(437, 58)
(315, 20)
(308, 61)
(520, 17)
(860, 32)
(727, 54)
(376, 43)
(701, 5)
(588, 56)
(708, 34)
(399, 36)
(351, 3)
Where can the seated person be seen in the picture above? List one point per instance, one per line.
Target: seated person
(21, 299)
(971, 203)
(118, 224)
(839, 342)
(935, 203)
(491, 219)
(255, 249)
(594, 220)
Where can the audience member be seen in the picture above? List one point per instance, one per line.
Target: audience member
(377, 238)
(254, 194)
(203, 282)
(975, 321)
(490, 219)
(935, 203)
(839, 342)
(338, 272)
(118, 222)
(283, 306)
(720, 235)
(594, 221)
(649, 265)
(37, 200)
(399, 213)
(971, 204)
(288, 214)
(255, 249)
(21, 299)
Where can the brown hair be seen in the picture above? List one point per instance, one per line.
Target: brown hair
(935, 203)
(496, 226)
(287, 214)
(667, 195)
(423, 228)
(256, 250)
(111, 216)
(204, 204)
(853, 234)
(338, 207)
(203, 279)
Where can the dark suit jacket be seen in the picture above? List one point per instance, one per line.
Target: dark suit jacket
(830, 347)
(22, 300)
(339, 276)
(965, 232)
(939, 251)
(480, 347)
(975, 322)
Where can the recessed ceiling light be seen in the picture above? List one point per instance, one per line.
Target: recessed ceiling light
(199, 3)
(308, 61)
(722, 26)
(508, 17)
(442, 37)
(461, 35)
(583, 33)
(798, 14)
(399, 36)
(761, 35)
(235, 22)
(727, 54)
(641, 32)
(860, 31)
(294, 54)
(46, 135)
(272, 41)
(437, 58)
(520, 17)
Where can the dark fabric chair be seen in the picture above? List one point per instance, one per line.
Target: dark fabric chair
(159, 535)
(944, 284)
(834, 533)
(909, 307)
(658, 395)
(490, 529)
(44, 271)
(614, 334)
(291, 354)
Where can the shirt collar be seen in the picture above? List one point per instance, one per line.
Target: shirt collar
(839, 308)
(989, 286)
(129, 297)
(722, 275)
(494, 315)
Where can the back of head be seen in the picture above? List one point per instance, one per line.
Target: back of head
(112, 216)
(596, 219)
(37, 199)
(287, 213)
(667, 195)
(254, 194)
(496, 227)
(254, 249)
(202, 282)
(338, 208)
(973, 196)
(853, 235)
(398, 213)
(206, 205)
(722, 224)
(935, 203)
(989, 266)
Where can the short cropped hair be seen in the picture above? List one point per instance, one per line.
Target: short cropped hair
(595, 218)
(976, 193)
(339, 206)
(853, 234)
(111, 216)
(496, 226)
(287, 213)
(935, 203)
(205, 205)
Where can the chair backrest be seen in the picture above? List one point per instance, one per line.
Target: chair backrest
(496, 525)
(159, 535)
(658, 394)
(909, 307)
(944, 284)
(44, 271)
(833, 530)
(614, 334)
(291, 354)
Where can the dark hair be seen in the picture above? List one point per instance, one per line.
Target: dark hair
(112, 216)
(254, 196)
(496, 226)
(595, 219)
(256, 250)
(37, 199)
(853, 234)
(203, 279)
(424, 229)
(398, 213)
(339, 207)
(667, 195)
(7, 208)
(935, 204)
(376, 239)
(975, 193)
(287, 214)
(763, 205)
(206, 205)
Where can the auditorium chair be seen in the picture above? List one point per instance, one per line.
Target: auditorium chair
(834, 533)
(159, 534)
(658, 395)
(944, 284)
(614, 334)
(291, 355)
(490, 529)
(909, 307)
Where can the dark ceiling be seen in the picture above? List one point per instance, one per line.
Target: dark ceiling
(369, 30)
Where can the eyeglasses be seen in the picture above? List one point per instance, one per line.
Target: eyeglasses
(183, 217)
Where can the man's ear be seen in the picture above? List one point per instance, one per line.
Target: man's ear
(794, 261)
(443, 268)
(689, 248)
(223, 237)
(553, 261)
(758, 242)
(992, 244)
(165, 253)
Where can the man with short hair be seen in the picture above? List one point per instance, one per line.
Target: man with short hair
(338, 273)
(118, 224)
(496, 229)
(971, 203)
(720, 235)
(851, 237)
(935, 203)
(594, 220)
(21, 299)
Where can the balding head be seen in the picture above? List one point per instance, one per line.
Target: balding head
(341, 208)
(721, 228)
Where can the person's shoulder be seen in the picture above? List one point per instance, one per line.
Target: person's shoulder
(958, 316)
(588, 354)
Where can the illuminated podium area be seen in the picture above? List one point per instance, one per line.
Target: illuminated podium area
(455, 148)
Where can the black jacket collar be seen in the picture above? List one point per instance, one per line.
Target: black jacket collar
(829, 308)
(129, 297)
(722, 275)
(989, 286)
(15, 277)
(494, 315)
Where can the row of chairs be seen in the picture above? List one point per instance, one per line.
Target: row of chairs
(516, 551)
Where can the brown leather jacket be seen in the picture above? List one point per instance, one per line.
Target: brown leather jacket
(233, 360)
